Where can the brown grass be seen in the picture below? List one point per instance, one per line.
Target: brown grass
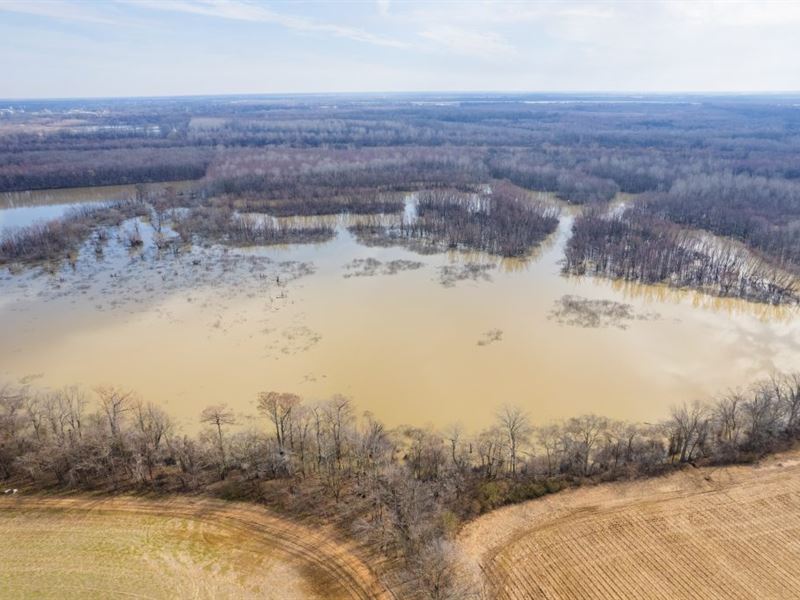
(119, 547)
(730, 532)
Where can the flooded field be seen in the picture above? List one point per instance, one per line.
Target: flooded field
(413, 338)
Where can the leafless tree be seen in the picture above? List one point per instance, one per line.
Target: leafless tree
(115, 404)
(584, 432)
(689, 431)
(516, 424)
(153, 426)
(219, 415)
(278, 406)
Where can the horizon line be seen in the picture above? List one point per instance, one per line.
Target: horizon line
(406, 93)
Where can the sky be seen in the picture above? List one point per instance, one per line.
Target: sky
(103, 48)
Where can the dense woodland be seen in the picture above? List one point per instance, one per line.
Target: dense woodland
(582, 147)
(726, 165)
(402, 492)
(638, 246)
(505, 222)
(762, 212)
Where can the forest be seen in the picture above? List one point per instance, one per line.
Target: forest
(723, 165)
(638, 246)
(402, 492)
(585, 148)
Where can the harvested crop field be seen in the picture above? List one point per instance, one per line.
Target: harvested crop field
(125, 547)
(731, 532)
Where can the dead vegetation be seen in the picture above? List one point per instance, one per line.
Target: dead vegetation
(585, 312)
(365, 202)
(225, 226)
(450, 275)
(58, 239)
(370, 267)
(490, 337)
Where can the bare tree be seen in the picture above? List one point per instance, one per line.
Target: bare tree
(791, 402)
(278, 407)
(549, 438)
(153, 426)
(491, 450)
(453, 435)
(115, 403)
(584, 433)
(517, 426)
(727, 414)
(688, 431)
(339, 416)
(219, 415)
(12, 404)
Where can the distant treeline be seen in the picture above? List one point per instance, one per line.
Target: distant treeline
(585, 151)
(72, 168)
(402, 492)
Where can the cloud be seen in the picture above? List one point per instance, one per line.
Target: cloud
(55, 10)
(464, 41)
(736, 14)
(642, 45)
(243, 10)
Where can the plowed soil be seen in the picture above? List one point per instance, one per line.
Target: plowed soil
(726, 533)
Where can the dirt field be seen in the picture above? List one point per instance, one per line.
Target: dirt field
(731, 532)
(125, 547)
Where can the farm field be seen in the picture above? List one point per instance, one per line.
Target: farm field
(731, 532)
(126, 547)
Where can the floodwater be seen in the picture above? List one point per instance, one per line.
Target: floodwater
(20, 209)
(436, 339)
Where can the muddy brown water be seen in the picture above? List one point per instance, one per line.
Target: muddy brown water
(419, 342)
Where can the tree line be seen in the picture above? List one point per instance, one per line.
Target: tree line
(505, 222)
(641, 247)
(582, 148)
(763, 213)
(402, 492)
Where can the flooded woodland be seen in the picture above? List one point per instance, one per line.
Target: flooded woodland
(376, 319)
(413, 337)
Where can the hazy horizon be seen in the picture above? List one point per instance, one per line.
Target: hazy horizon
(141, 48)
(456, 94)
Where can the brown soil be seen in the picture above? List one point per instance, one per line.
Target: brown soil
(731, 532)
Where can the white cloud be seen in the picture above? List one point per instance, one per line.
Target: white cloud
(642, 45)
(56, 9)
(473, 43)
(242, 10)
(736, 14)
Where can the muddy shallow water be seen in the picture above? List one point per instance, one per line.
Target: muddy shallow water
(413, 338)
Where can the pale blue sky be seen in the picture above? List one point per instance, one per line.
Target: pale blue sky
(160, 47)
